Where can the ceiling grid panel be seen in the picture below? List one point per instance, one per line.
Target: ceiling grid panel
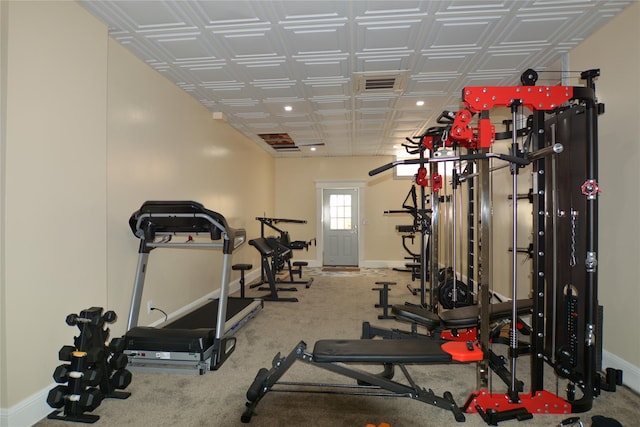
(250, 58)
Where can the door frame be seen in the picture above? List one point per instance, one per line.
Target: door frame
(338, 185)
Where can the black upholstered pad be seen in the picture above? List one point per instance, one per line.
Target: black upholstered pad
(417, 314)
(463, 317)
(380, 351)
(467, 317)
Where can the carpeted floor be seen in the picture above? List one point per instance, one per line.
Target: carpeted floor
(333, 307)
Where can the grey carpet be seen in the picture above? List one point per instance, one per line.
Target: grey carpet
(334, 307)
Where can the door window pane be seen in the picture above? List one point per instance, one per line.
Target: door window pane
(340, 211)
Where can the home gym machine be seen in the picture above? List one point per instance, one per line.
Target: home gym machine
(201, 339)
(566, 311)
(282, 254)
(268, 250)
(421, 225)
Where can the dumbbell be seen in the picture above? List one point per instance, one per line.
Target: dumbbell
(121, 379)
(74, 319)
(63, 373)
(93, 355)
(117, 345)
(89, 399)
(92, 316)
(65, 353)
(118, 361)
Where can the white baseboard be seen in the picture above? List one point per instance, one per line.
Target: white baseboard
(630, 374)
(28, 412)
(382, 264)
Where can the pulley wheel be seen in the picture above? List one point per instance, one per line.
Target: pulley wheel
(529, 77)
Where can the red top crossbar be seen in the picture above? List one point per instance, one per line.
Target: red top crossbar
(484, 98)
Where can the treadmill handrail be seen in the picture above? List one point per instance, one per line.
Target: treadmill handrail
(237, 235)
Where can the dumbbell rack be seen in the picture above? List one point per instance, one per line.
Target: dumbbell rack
(94, 372)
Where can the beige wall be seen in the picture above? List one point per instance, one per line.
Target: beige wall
(164, 145)
(91, 133)
(4, 20)
(55, 186)
(616, 53)
(297, 181)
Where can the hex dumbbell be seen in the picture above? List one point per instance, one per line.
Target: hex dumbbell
(121, 379)
(63, 373)
(89, 399)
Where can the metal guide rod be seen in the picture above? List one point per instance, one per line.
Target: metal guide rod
(556, 148)
(554, 224)
(485, 268)
(454, 238)
(423, 247)
(513, 392)
(434, 238)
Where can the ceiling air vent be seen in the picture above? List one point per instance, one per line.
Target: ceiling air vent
(379, 83)
(392, 81)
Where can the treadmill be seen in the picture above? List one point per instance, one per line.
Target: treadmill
(200, 340)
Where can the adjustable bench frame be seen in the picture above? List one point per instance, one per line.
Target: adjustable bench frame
(338, 356)
(283, 247)
(459, 324)
(267, 252)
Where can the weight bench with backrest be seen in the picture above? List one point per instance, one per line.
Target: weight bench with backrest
(267, 252)
(448, 324)
(339, 356)
(459, 324)
(285, 246)
(459, 318)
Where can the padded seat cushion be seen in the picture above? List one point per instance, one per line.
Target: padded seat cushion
(467, 317)
(380, 351)
(463, 317)
(417, 314)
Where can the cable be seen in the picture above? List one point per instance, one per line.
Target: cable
(166, 317)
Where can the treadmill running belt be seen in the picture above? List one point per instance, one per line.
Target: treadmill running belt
(205, 316)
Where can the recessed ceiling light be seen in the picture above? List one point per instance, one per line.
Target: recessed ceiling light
(288, 108)
(420, 103)
(313, 148)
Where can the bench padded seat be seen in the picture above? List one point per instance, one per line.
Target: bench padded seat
(380, 351)
(417, 314)
(463, 317)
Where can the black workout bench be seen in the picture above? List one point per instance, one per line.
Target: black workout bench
(454, 319)
(447, 325)
(338, 355)
(267, 252)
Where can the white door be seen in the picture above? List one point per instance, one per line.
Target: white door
(340, 227)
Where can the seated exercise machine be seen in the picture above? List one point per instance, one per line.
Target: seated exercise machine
(268, 249)
(201, 339)
(421, 224)
(282, 251)
(565, 316)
